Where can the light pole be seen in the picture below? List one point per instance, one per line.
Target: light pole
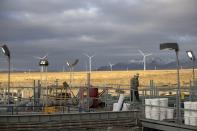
(193, 58)
(6, 52)
(44, 63)
(175, 47)
(90, 62)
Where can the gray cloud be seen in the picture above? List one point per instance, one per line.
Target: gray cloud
(114, 29)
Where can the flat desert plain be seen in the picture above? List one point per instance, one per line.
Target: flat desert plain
(160, 77)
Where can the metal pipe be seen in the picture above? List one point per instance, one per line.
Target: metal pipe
(190, 90)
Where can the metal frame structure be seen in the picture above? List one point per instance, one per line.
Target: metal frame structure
(164, 126)
(70, 121)
(175, 47)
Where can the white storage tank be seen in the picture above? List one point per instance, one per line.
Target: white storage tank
(156, 108)
(163, 104)
(170, 113)
(155, 115)
(125, 107)
(193, 121)
(190, 113)
(120, 102)
(148, 108)
(115, 105)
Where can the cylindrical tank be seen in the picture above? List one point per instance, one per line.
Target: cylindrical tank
(120, 102)
(93, 92)
(125, 107)
(170, 113)
(148, 108)
(115, 105)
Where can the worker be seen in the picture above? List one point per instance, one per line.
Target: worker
(134, 87)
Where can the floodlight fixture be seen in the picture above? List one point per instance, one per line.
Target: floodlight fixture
(71, 65)
(175, 47)
(44, 62)
(170, 46)
(6, 52)
(192, 57)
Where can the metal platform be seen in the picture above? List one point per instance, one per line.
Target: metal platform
(69, 121)
(149, 125)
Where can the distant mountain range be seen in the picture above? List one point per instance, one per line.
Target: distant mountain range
(151, 65)
(158, 62)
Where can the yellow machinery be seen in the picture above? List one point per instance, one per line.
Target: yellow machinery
(50, 109)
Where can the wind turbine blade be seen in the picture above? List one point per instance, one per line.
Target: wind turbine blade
(45, 57)
(36, 57)
(92, 56)
(148, 54)
(141, 52)
(86, 55)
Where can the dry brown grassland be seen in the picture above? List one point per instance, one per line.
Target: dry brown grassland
(160, 77)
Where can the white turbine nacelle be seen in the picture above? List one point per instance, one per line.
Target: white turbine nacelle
(144, 57)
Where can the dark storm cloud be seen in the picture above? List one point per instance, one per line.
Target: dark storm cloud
(114, 29)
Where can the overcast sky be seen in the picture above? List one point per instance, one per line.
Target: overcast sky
(112, 30)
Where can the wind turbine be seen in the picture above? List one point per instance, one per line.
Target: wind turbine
(144, 57)
(90, 61)
(111, 66)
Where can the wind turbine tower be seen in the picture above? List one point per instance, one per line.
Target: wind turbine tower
(144, 57)
(111, 66)
(90, 62)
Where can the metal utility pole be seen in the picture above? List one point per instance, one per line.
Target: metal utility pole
(8, 81)
(193, 58)
(6, 52)
(178, 91)
(88, 91)
(193, 72)
(44, 63)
